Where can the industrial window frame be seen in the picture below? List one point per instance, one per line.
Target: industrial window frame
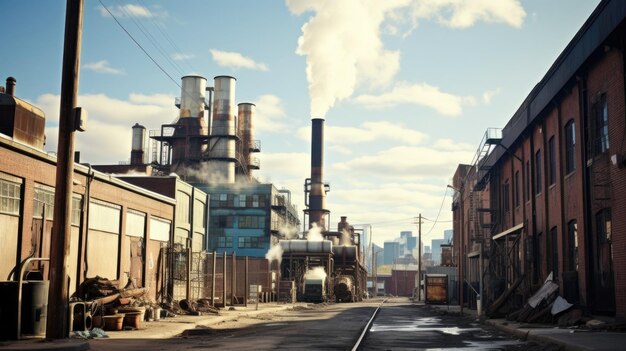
(551, 161)
(527, 183)
(600, 130)
(571, 247)
(44, 195)
(251, 242)
(552, 254)
(538, 185)
(10, 197)
(516, 187)
(224, 242)
(570, 146)
(505, 195)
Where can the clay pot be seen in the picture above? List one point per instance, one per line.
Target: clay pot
(114, 322)
(133, 319)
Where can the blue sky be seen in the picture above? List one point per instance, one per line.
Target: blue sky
(407, 87)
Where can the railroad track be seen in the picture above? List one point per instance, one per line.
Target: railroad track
(366, 330)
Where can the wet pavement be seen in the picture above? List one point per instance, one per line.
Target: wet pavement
(405, 326)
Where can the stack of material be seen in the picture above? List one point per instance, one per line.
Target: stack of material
(542, 306)
(104, 291)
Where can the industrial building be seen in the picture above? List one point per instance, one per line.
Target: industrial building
(117, 227)
(545, 195)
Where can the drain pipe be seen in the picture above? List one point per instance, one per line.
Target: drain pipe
(85, 229)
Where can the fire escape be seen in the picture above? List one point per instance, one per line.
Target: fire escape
(480, 213)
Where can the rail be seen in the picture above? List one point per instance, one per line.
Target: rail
(367, 327)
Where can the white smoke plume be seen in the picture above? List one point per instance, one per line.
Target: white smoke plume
(343, 48)
(275, 253)
(288, 231)
(343, 45)
(346, 238)
(315, 233)
(315, 273)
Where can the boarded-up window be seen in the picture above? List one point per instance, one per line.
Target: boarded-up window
(104, 216)
(182, 208)
(199, 215)
(159, 229)
(135, 223)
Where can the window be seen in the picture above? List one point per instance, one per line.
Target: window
(77, 206)
(527, 183)
(251, 222)
(250, 242)
(571, 249)
(553, 254)
(222, 221)
(242, 200)
(10, 197)
(552, 160)
(505, 195)
(570, 147)
(44, 198)
(223, 241)
(538, 172)
(601, 125)
(516, 186)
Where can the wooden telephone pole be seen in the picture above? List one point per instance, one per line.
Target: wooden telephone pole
(58, 297)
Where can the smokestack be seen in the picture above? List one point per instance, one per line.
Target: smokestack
(138, 145)
(317, 194)
(245, 128)
(222, 141)
(10, 88)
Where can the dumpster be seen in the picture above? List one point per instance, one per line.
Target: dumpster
(436, 286)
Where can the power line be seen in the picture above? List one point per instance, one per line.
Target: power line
(440, 207)
(139, 45)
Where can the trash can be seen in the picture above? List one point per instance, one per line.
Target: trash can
(8, 310)
(34, 307)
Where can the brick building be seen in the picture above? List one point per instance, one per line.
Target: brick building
(554, 180)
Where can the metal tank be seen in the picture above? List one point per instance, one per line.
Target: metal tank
(245, 129)
(223, 137)
(306, 246)
(138, 147)
(190, 131)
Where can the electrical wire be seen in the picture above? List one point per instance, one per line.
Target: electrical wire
(438, 213)
(150, 38)
(139, 45)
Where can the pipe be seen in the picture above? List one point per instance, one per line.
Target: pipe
(10, 88)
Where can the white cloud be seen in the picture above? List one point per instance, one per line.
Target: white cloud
(488, 95)
(103, 66)
(368, 132)
(236, 60)
(110, 122)
(270, 114)
(132, 10)
(464, 14)
(408, 162)
(418, 94)
(181, 56)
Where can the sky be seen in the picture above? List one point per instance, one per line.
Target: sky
(407, 87)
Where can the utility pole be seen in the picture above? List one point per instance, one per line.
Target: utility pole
(419, 257)
(58, 298)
